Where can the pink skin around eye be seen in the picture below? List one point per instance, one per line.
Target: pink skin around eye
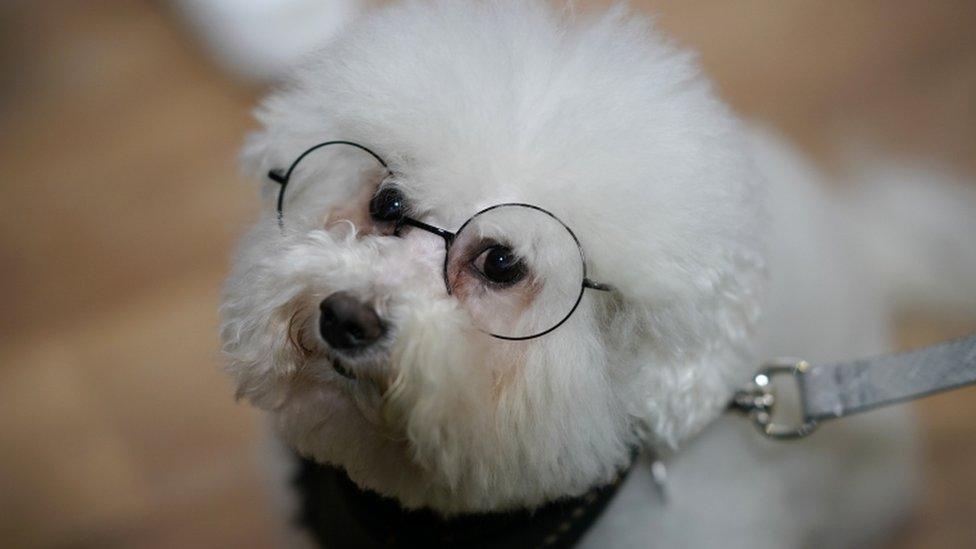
(468, 287)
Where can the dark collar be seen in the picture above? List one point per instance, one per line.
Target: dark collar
(340, 514)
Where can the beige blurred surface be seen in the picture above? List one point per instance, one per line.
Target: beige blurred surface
(121, 201)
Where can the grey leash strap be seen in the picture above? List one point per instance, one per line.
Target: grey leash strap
(831, 391)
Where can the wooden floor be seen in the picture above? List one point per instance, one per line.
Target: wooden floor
(120, 204)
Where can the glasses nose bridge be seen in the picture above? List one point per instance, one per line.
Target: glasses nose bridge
(445, 234)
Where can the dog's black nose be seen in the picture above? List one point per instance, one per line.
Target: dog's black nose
(348, 323)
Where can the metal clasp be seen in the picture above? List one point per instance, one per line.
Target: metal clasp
(758, 400)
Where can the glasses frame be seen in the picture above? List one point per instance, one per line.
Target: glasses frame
(283, 177)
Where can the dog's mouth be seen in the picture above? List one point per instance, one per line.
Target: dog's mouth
(364, 367)
(341, 369)
(365, 379)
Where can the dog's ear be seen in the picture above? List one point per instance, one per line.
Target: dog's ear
(678, 398)
(690, 338)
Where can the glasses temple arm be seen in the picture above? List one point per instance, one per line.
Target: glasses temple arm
(278, 176)
(281, 179)
(587, 283)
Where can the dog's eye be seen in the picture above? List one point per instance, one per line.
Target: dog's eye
(387, 205)
(500, 265)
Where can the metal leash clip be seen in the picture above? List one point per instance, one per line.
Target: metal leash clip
(758, 400)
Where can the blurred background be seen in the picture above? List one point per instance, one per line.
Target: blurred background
(119, 125)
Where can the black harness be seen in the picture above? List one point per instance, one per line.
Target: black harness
(339, 514)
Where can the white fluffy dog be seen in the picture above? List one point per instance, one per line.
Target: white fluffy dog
(720, 246)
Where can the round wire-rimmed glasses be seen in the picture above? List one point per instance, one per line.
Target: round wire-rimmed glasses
(546, 256)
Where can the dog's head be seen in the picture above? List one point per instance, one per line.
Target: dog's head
(343, 321)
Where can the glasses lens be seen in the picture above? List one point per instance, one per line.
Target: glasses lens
(517, 270)
(329, 163)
